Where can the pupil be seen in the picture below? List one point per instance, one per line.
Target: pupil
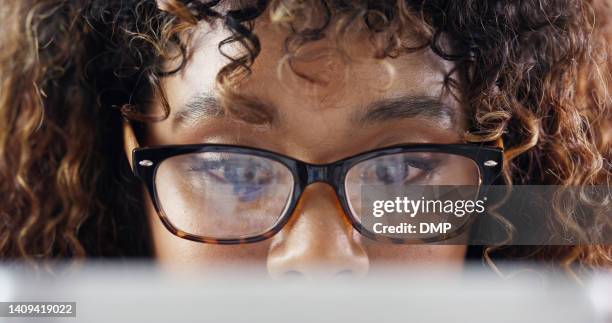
(239, 174)
(243, 178)
(233, 174)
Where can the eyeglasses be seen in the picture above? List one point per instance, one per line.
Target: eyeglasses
(227, 194)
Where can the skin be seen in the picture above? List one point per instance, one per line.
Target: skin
(315, 124)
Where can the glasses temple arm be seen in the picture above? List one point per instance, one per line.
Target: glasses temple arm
(129, 141)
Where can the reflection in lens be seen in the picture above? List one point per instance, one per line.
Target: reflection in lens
(427, 195)
(223, 195)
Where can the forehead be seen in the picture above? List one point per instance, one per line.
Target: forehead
(345, 71)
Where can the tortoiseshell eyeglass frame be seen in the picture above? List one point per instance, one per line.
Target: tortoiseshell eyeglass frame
(146, 160)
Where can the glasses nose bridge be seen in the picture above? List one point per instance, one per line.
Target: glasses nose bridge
(318, 173)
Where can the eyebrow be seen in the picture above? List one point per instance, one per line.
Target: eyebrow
(205, 105)
(403, 107)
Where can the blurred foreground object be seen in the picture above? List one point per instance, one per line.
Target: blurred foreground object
(139, 292)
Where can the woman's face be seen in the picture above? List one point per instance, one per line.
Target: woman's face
(316, 123)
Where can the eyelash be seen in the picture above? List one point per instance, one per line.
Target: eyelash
(427, 165)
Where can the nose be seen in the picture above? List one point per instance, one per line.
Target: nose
(318, 241)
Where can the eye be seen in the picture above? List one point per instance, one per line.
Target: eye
(246, 172)
(247, 176)
(396, 170)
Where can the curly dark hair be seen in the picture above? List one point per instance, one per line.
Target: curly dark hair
(534, 73)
